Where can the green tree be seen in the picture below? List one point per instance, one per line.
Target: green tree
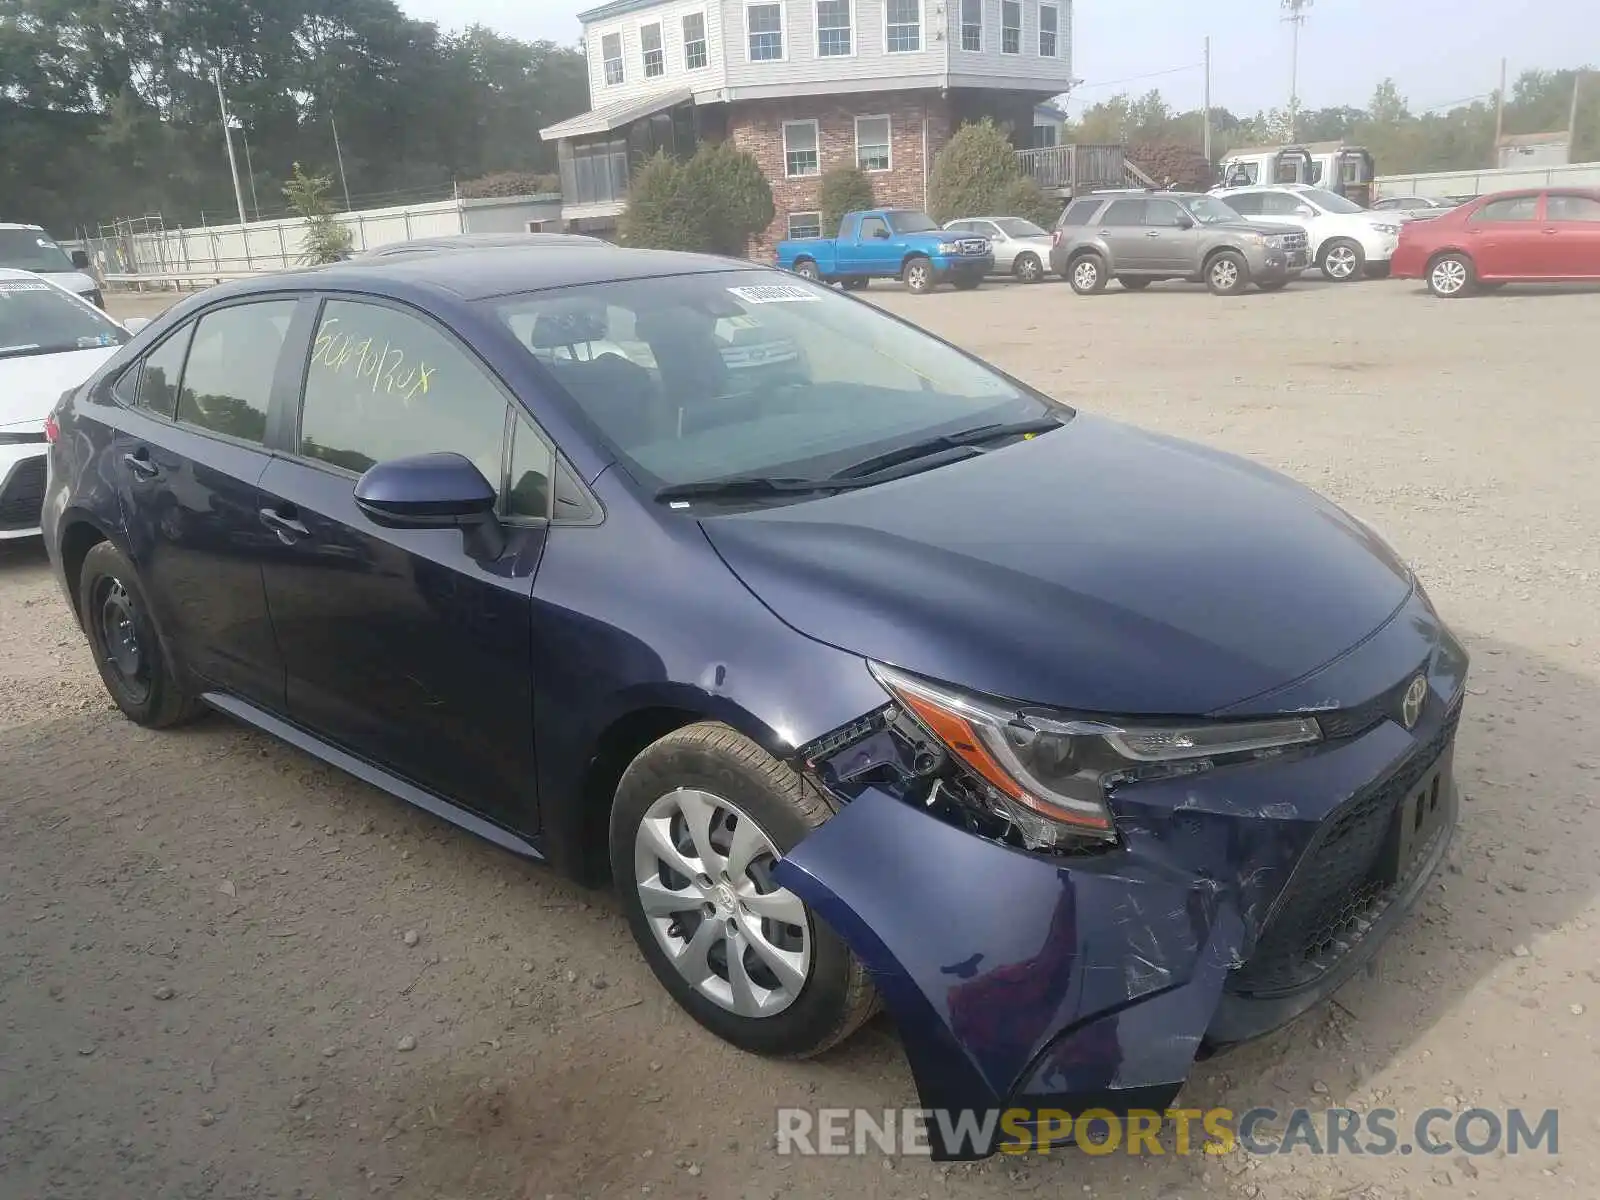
(326, 239)
(975, 174)
(843, 189)
(729, 187)
(662, 213)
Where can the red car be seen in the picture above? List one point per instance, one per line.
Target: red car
(1537, 236)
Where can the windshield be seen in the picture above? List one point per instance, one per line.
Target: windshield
(1331, 201)
(1018, 228)
(700, 377)
(39, 318)
(32, 250)
(1208, 210)
(912, 222)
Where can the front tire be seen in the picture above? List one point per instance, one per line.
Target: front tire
(131, 658)
(699, 819)
(1087, 275)
(1028, 268)
(918, 276)
(1343, 260)
(1227, 274)
(1451, 276)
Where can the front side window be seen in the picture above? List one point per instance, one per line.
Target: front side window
(1162, 213)
(972, 25)
(1281, 204)
(800, 153)
(1329, 201)
(872, 143)
(833, 28)
(384, 384)
(1567, 207)
(764, 22)
(805, 225)
(1124, 212)
(227, 378)
(873, 228)
(655, 57)
(694, 41)
(904, 33)
(1208, 210)
(704, 376)
(1010, 26)
(32, 250)
(156, 384)
(611, 58)
(1049, 30)
(905, 221)
(1512, 208)
(1016, 227)
(39, 318)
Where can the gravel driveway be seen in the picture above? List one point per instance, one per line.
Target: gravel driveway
(226, 970)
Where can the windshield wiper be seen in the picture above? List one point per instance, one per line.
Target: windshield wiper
(945, 441)
(734, 487)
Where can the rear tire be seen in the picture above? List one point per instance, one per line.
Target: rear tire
(1028, 268)
(807, 269)
(744, 797)
(1087, 274)
(1343, 260)
(1451, 276)
(918, 275)
(128, 652)
(1227, 273)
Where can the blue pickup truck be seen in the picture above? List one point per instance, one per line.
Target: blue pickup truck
(890, 243)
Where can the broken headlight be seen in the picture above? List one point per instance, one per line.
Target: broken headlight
(1047, 773)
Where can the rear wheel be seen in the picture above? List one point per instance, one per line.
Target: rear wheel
(1087, 275)
(1028, 268)
(700, 819)
(132, 661)
(1227, 274)
(1450, 276)
(1133, 285)
(1343, 260)
(807, 269)
(918, 275)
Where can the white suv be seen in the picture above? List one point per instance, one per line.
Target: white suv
(1347, 240)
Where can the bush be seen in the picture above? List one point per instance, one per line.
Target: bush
(1024, 198)
(714, 203)
(510, 183)
(843, 190)
(974, 175)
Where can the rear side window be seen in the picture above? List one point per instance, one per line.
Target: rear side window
(1512, 208)
(156, 382)
(227, 381)
(1079, 212)
(1246, 205)
(1124, 212)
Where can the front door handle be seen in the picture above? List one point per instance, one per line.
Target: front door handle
(1153, 233)
(139, 463)
(1551, 232)
(289, 530)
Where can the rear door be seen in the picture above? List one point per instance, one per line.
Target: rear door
(1570, 236)
(1504, 238)
(1171, 236)
(400, 646)
(192, 417)
(1122, 230)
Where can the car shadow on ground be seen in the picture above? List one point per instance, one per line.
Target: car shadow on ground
(21, 554)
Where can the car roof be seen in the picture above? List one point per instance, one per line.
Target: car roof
(9, 225)
(476, 274)
(469, 241)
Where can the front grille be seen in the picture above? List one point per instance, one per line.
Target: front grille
(1348, 722)
(22, 501)
(973, 246)
(1337, 892)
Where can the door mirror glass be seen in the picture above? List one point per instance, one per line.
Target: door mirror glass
(881, 233)
(1183, 221)
(80, 260)
(442, 490)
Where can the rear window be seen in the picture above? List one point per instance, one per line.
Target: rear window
(1079, 212)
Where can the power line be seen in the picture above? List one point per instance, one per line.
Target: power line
(1105, 83)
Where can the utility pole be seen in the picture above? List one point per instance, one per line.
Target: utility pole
(1295, 15)
(339, 154)
(1499, 114)
(1207, 120)
(250, 170)
(227, 135)
(1572, 115)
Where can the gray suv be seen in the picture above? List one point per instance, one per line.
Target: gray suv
(1139, 237)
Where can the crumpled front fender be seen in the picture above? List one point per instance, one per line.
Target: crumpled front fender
(1019, 981)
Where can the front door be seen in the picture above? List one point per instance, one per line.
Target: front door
(1171, 237)
(400, 646)
(191, 424)
(1503, 237)
(1569, 240)
(867, 252)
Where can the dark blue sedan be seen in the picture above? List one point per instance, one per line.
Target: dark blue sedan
(866, 673)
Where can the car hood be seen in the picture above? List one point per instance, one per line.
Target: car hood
(31, 384)
(1253, 227)
(1097, 567)
(76, 282)
(935, 237)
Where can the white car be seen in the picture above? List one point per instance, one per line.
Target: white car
(30, 248)
(50, 340)
(1346, 240)
(1020, 247)
(1413, 208)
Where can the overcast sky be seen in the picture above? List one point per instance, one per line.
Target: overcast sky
(1438, 51)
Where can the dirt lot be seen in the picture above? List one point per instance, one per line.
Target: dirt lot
(208, 973)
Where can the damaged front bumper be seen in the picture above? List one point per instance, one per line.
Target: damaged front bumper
(1234, 901)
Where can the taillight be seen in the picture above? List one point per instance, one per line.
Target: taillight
(1055, 237)
(52, 430)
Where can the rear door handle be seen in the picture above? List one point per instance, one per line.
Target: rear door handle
(139, 463)
(289, 530)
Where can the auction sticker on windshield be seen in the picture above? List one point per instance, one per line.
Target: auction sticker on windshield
(775, 293)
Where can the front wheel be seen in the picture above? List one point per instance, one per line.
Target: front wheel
(1028, 268)
(807, 269)
(700, 819)
(1451, 276)
(132, 661)
(1343, 260)
(1227, 274)
(918, 276)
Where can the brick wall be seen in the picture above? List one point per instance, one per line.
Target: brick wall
(757, 126)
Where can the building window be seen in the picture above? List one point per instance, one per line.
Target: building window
(1010, 26)
(805, 225)
(764, 24)
(611, 56)
(1049, 28)
(655, 58)
(1044, 136)
(972, 25)
(872, 143)
(833, 28)
(904, 26)
(800, 155)
(694, 41)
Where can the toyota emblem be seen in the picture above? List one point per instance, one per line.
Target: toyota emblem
(1411, 704)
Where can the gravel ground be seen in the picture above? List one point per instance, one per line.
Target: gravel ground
(226, 970)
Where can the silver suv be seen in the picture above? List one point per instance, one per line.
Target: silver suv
(1139, 237)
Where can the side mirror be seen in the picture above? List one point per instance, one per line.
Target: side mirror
(1304, 210)
(1185, 221)
(134, 324)
(433, 491)
(80, 260)
(881, 234)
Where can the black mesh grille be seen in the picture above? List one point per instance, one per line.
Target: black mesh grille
(1339, 889)
(1348, 722)
(23, 498)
